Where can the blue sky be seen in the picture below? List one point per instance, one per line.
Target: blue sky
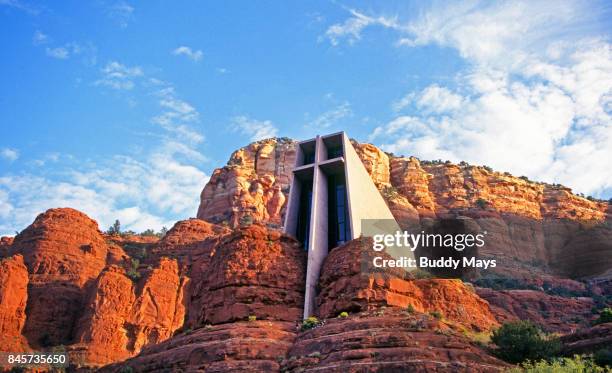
(122, 109)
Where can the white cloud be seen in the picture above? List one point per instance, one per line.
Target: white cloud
(353, 26)
(118, 76)
(40, 38)
(255, 129)
(21, 6)
(121, 12)
(176, 115)
(535, 99)
(195, 55)
(330, 117)
(495, 32)
(60, 53)
(9, 154)
(433, 99)
(143, 190)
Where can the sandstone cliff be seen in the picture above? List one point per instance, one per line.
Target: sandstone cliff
(253, 185)
(225, 292)
(13, 299)
(531, 226)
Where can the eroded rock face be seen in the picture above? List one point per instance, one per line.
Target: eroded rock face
(532, 227)
(587, 340)
(252, 186)
(122, 316)
(346, 287)
(13, 299)
(64, 252)
(391, 341)
(254, 272)
(553, 313)
(62, 245)
(255, 346)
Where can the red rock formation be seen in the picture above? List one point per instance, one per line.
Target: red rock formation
(62, 244)
(253, 184)
(13, 298)
(185, 237)
(392, 341)
(121, 316)
(63, 251)
(255, 346)
(553, 313)
(102, 333)
(5, 244)
(587, 340)
(531, 226)
(254, 271)
(211, 279)
(346, 286)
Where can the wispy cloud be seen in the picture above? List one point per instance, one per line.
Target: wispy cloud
(177, 115)
(434, 99)
(255, 129)
(353, 26)
(21, 5)
(142, 190)
(9, 154)
(121, 12)
(40, 38)
(534, 100)
(192, 54)
(86, 51)
(61, 53)
(332, 116)
(118, 76)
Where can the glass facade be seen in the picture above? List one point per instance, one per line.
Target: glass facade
(334, 152)
(303, 222)
(309, 157)
(339, 229)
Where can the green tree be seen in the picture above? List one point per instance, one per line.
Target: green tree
(518, 341)
(604, 316)
(115, 229)
(163, 232)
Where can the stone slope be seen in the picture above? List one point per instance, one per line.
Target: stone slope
(392, 341)
(345, 286)
(13, 300)
(255, 346)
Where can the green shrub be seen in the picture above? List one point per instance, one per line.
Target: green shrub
(603, 357)
(245, 221)
(518, 341)
(390, 192)
(576, 364)
(149, 232)
(436, 314)
(410, 309)
(133, 271)
(343, 314)
(482, 203)
(310, 323)
(604, 316)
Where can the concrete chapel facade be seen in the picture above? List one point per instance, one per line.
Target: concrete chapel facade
(331, 193)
